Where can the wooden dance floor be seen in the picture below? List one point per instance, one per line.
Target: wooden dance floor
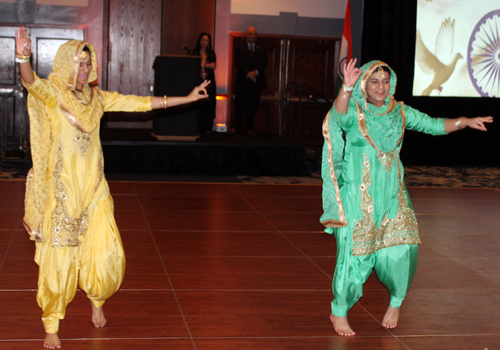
(240, 266)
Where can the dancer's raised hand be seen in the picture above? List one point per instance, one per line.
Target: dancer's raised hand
(23, 42)
(351, 73)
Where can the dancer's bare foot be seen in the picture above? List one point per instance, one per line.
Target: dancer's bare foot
(391, 317)
(52, 341)
(97, 316)
(341, 326)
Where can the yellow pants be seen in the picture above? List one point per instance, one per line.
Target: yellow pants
(97, 266)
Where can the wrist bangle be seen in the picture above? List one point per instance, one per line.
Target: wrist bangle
(22, 60)
(23, 57)
(458, 123)
(164, 103)
(347, 88)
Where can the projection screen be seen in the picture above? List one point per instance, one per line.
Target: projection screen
(457, 50)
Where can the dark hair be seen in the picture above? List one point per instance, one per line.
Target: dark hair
(197, 48)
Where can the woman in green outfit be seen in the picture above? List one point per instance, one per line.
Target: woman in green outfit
(365, 201)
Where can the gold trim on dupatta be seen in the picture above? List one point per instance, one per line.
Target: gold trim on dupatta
(36, 234)
(342, 218)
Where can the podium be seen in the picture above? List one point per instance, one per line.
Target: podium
(176, 75)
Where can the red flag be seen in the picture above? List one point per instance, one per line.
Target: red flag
(346, 44)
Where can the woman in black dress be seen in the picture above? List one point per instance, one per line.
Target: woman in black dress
(208, 64)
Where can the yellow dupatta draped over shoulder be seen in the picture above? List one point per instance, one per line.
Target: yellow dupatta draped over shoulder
(83, 112)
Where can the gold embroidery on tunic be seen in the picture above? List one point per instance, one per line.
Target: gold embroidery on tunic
(65, 229)
(367, 237)
(83, 140)
(387, 159)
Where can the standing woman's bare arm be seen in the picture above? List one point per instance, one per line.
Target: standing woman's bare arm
(23, 54)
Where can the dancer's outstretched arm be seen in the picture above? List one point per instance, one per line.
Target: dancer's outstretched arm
(23, 54)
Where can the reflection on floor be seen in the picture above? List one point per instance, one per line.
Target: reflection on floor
(247, 266)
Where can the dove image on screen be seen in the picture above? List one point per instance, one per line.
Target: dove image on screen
(457, 48)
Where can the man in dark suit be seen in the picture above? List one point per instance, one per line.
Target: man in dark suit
(251, 61)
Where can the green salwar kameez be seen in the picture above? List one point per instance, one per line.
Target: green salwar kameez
(365, 201)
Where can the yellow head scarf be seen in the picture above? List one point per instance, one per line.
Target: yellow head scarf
(83, 110)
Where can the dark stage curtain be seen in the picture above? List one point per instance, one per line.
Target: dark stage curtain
(389, 32)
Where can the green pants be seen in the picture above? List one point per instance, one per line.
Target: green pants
(395, 267)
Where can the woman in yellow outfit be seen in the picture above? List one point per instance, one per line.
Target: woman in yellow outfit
(68, 207)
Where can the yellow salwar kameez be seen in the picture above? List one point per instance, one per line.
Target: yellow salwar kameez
(68, 206)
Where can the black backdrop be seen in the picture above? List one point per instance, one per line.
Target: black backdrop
(389, 32)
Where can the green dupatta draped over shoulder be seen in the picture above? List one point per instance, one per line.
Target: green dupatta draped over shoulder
(333, 148)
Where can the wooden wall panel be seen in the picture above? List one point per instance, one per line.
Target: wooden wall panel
(141, 30)
(311, 62)
(134, 42)
(183, 21)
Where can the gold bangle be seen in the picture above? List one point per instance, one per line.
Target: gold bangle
(22, 57)
(165, 102)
